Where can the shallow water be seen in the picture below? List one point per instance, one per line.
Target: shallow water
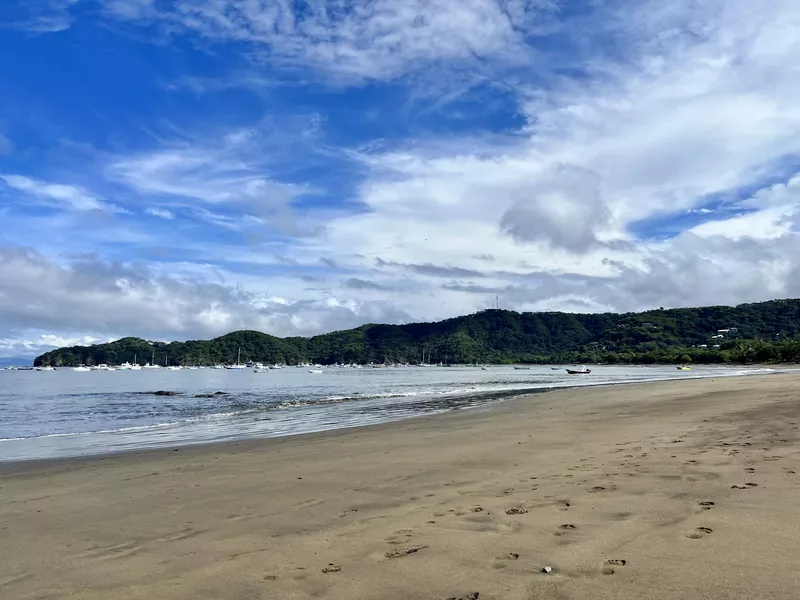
(68, 413)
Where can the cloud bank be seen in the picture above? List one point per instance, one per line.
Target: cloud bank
(394, 161)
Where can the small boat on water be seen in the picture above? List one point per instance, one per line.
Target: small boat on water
(581, 371)
(260, 369)
(556, 368)
(315, 371)
(82, 369)
(45, 368)
(522, 368)
(684, 368)
(238, 364)
(152, 364)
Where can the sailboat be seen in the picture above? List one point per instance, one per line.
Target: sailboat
(152, 364)
(581, 371)
(423, 363)
(135, 366)
(238, 364)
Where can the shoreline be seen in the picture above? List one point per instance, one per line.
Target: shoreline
(489, 397)
(625, 491)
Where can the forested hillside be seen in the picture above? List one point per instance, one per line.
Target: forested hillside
(762, 332)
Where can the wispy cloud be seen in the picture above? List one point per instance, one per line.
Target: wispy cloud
(41, 16)
(64, 197)
(227, 170)
(161, 213)
(382, 39)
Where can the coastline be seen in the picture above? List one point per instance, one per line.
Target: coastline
(255, 417)
(394, 506)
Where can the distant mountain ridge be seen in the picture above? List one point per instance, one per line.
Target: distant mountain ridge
(763, 332)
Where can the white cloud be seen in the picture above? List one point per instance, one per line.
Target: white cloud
(686, 118)
(111, 299)
(562, 207)
(381, 39)
(702, 104)
(223, 171)
(34, 343)
(58, 195)
(769, 223)
(161, 213)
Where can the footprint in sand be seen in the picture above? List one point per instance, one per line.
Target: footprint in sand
(400, 552)
(706, 504)
(699, 532)
(517, 510)
(747, 485)
(505, 492)
(608, 565)
(499, 562)
(749, 470)
(564, 529)
(476, 509)
(332, 568)
(563, 505)
(470, 596)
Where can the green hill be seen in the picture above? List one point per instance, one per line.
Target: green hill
(762, 332)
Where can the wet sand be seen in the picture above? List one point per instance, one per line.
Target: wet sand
(683, 489)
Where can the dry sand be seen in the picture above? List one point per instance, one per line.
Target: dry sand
(670, 490)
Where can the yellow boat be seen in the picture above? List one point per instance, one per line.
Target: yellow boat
(684, 368)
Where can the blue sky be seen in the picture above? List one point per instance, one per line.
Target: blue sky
(181, 169)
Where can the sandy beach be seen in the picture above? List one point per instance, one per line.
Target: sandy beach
(684, 489)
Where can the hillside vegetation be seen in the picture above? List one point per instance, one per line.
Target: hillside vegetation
(762, 332)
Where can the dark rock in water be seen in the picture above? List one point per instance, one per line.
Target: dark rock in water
(165, 393)
(221, 394)
(203, 395)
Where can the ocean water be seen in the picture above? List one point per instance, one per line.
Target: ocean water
(67, 413)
